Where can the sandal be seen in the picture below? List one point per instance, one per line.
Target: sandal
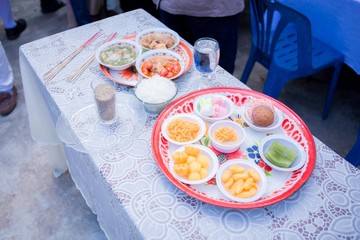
(8, 102)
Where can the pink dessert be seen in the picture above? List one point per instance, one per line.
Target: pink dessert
(220, 111)
(213, 107)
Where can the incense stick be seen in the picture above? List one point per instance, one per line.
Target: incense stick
(55, 70)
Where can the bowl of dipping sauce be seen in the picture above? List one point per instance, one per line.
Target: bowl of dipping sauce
(226, 136)
(155, 93)
(118, 54)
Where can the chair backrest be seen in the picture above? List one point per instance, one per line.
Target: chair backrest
(269, 23)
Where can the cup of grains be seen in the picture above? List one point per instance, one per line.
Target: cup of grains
(155, 93)
(105, 100)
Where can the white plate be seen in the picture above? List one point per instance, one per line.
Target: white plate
(212, 169)
(266, 143)
(189, 117)
(262, 185)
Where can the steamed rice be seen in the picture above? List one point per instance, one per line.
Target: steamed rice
(155, 90)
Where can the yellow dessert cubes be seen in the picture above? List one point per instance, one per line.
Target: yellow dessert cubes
(179, 157)
(190, 163)
(191, 150)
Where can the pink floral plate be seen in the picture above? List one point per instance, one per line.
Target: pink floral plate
(130, 76)
(280, 185)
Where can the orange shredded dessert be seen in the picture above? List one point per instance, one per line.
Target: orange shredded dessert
(225, 134)
(182, 130)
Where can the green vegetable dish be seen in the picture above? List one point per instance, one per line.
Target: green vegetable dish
(118, 55)
(281, 155)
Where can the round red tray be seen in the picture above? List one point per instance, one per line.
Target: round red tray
(281, 185)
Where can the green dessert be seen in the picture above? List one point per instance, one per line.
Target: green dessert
(281, 155)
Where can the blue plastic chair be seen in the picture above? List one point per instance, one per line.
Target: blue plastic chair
(282, 42)
(354, 154)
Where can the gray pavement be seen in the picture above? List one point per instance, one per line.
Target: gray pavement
(35, 205)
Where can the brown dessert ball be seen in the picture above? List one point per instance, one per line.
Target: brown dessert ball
(263, 116)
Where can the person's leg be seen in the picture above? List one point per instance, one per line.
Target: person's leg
(6, 73)
(6, 14)
(178, 23)
(224, 30)
(8, 92)
(81, 11)
(13, 28)
(147, 5)
(50, 6)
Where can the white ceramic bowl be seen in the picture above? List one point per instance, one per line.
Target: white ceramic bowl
(212, 168)
(157, 31)
(266, 143)
(154, 88)
(227, 147)
(262, 184)
(247, 112)
(128, 43)
(159, 53)
(188, 117)
(228, 105)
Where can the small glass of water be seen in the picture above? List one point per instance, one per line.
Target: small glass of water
(206, 59)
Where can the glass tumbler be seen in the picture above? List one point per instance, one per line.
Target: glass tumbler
(105, 101)
(206, 59)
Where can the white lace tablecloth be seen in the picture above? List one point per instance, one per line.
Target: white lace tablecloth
(121, 182)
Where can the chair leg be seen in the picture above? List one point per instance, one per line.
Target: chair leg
(274, 83)
(354, 154)
(332, 87)
(249, 66)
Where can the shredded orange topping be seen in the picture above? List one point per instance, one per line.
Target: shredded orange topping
(182, 130)
(225, 134)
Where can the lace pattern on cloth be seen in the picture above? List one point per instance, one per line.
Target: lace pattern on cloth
(116, 173)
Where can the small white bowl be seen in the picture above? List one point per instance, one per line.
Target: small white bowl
(157, 31)
(266, 143)
(247, 112)
(151, 93)
(228, 105)
(188, 117)
(212, 169)
(121, 43)
(262, 184)
(159, 53)
(227, 147)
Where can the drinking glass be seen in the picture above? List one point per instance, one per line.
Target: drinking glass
(206, 59)
(105, 100)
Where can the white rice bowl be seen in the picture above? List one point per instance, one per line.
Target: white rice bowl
(155, 93)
